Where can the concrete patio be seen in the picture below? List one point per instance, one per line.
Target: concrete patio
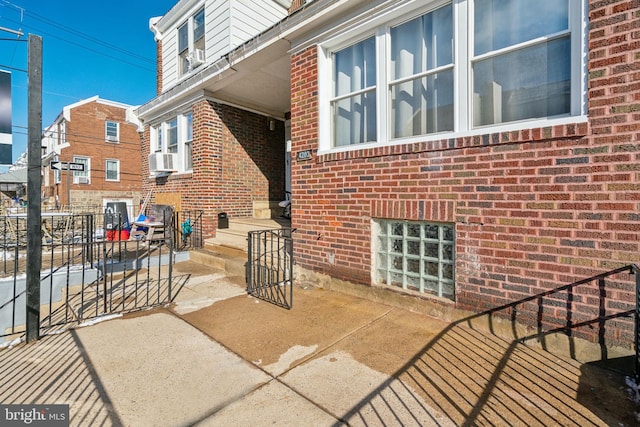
(218, 357)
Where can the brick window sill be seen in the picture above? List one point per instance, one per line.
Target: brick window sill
(541, 134)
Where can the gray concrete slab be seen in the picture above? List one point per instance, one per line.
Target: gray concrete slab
(340, 383)
(219, 357)
(159, 371)
(271, 405)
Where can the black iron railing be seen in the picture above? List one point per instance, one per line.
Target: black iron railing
(188, 229)
(84, 272)
(633, 268)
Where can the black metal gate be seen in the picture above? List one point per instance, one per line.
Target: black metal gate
(270, 266)
(85, 272)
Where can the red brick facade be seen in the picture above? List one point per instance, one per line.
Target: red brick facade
(236, 160)
(85, 134)
(159, 74)
(534, 209)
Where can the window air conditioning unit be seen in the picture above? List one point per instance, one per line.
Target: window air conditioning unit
(112, 138)
(82, 180)
(162, 162)
(196, 58)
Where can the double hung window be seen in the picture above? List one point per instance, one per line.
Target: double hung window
(521, 60)
(82, 177)
(175, 137)
(421, 75)
(191, 45)
(172, 136)
(188, 143)
(443, 69)
(112, 170)
(354, 103)
(111, 131)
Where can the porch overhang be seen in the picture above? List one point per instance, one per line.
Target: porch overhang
(255, 76)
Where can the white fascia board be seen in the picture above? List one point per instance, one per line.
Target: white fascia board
(179, 12)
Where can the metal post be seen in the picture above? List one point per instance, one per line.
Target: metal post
(636, 272)
(68, 188)
(34, 181)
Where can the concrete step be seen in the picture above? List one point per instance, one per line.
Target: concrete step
(266, 209)
(251, 224)
(230, 260)
(236, 235)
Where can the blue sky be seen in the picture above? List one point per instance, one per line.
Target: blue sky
(89, 48)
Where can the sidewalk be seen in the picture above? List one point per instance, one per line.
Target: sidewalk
(222, 358)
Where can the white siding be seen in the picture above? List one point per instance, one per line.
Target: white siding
(169, 59)
(218, 27)
(250, 18)
(228, 24)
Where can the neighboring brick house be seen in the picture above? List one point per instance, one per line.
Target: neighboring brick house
(469, 153)
(102, 135)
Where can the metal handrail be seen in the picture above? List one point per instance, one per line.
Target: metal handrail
(634, 269)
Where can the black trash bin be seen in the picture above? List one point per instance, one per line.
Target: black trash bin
(223, 220)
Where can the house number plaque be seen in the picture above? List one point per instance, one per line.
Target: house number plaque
(304, 155)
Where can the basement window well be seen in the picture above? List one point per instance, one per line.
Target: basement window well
(415, 255)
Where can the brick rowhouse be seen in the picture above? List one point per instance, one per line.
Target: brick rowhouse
(236, 160)
(85, 136)
(535, 210)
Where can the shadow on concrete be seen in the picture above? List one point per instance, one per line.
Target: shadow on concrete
(475, 376)
(56, 370)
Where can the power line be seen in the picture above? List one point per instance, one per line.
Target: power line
(13, 68)
(42, 32)
(83, 138)
(86, 36)
(113, 47)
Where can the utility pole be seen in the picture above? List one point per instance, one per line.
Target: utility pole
(34, 182)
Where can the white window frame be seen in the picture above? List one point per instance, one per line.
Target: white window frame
(182, 140)
(192, 43)
(170, 128)
(111, 138)
(157, 138)
(87, 171)
(106, 170)
(62, 134)
(379, 25)
(187, 144)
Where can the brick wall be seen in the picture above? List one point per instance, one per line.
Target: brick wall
(158, 67)
(85, 132)
(534, 209)
(236, 160)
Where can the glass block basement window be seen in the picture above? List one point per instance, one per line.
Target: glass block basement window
(417, 256)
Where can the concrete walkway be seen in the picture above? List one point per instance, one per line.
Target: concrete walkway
(221, 358)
